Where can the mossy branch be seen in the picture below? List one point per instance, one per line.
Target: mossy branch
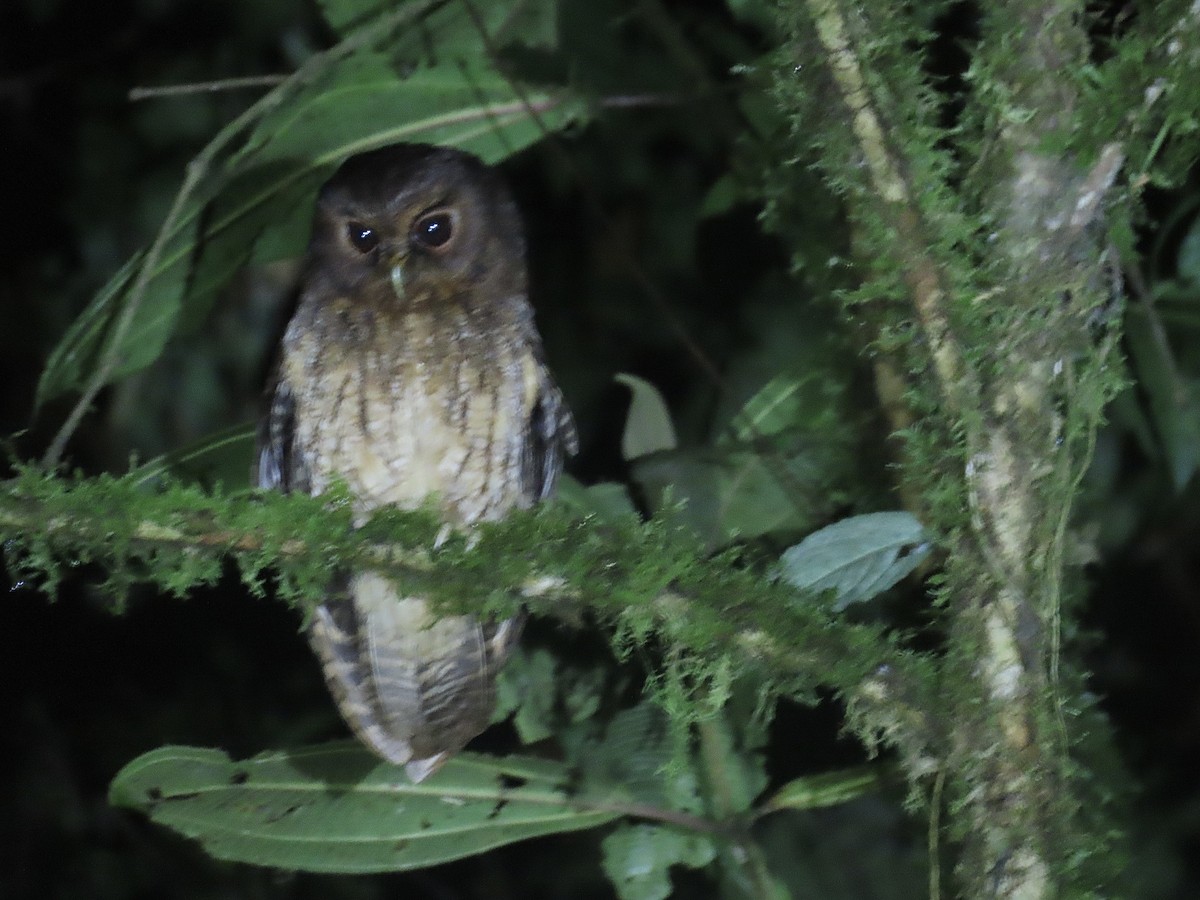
(649, 581)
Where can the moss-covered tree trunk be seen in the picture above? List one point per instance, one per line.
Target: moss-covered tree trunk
(991, 282)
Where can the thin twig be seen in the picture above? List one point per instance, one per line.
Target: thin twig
(206, 87)
(195, 169)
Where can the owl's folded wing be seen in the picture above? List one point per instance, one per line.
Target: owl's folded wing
(279, 464)
(550, 438)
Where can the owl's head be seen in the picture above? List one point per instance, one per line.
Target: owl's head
(412, 224)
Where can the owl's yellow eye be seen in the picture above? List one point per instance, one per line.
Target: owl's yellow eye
(362, 237)
(434, 229)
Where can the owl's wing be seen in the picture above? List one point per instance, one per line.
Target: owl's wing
(550, 433)
(279, 464)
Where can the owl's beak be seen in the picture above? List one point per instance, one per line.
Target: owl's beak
(398, 278)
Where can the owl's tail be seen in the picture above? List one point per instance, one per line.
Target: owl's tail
(413, 687)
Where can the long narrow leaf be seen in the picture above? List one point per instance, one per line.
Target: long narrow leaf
(335, 808)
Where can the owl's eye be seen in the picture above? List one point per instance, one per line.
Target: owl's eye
(434, 229)
(362, 237)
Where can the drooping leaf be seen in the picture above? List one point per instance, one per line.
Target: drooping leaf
(525, 685)
(228, 452)
(547, 692)
(1187, 263)
(344, 15)
(648, 427)
(637, 858)
(743, 774)
(858, 557)
(335, 808)
(77, 351)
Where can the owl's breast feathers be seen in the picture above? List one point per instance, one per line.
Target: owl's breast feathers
(404, 406)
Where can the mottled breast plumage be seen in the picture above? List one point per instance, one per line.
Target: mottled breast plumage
(412, 370)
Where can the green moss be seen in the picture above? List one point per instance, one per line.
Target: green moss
(647, 580)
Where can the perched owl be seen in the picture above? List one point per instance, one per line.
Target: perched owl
(412, 370)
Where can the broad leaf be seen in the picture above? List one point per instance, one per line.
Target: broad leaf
(732, 493)
(223, 457)
(1187, 263)
(636, 760)
(335, 808)
(858, 557)
(648, 427)
(77, 353)
(637, 858)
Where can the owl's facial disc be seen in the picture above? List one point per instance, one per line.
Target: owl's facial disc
(432, 234)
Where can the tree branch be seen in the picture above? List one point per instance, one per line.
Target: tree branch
(648, 580)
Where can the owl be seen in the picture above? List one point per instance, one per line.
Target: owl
(412, 372)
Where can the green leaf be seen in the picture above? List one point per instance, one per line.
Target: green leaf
(730, 493)
(648, 427)
(776, 407)
(366, 104)
(721, 197)
(453, 30)
(826, 789)
(637, 858)
(1188, 262)
(858, 557)
(1174, 407)
(344, 15)
(636, 760)
(211, 241)
(606, 500)
(732, 772)
(228, 451)
(527, 685)
(335, 808)
(76, 354)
